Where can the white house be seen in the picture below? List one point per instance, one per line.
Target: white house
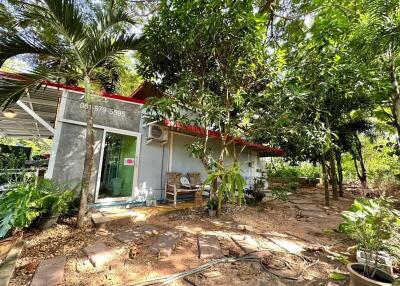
(131, 157)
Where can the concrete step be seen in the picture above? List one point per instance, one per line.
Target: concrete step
(101, 219)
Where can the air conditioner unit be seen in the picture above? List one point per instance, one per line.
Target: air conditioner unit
(156, 132)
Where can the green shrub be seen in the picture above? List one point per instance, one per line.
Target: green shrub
(212, 204)
(281, 169)
(25, 201)
(18, 207)
(232, 183)
(293, 186)
(55, 198)
(9, 163)
(374, 225)
(381, 165)
(259, 183)
(280, 193)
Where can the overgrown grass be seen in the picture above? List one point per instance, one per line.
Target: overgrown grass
(279, 168)
(381, 165)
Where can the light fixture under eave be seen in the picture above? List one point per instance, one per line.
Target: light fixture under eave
(9, 113)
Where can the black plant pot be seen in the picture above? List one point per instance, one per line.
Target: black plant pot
(45, 222)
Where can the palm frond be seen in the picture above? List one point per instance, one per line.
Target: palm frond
(110, 47)
(61, 15)
(6, 19)
(13, 44)
(12, 88)
(109, 18)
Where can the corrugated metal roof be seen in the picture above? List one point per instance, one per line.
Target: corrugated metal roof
(43, 102)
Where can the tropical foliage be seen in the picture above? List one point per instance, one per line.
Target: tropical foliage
(374, 224)
(27, 200)
(38, 146)
(230, 184)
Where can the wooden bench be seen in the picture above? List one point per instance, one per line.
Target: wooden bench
(174, 189)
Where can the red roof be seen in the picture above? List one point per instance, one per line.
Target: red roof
(146, 90)
(75, 88)
(263, 149)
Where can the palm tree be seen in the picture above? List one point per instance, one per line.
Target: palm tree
(86, 50)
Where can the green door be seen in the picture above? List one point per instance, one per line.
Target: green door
(118, 166)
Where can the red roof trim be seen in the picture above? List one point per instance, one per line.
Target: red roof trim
(75, 88)
(215, 134)
(124, 98)
(63, 86)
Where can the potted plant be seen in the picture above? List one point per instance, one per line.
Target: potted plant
(53, 205)
(374, 225)
(54, 202)
(212, 206)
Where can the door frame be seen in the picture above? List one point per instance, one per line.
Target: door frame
(135, 172)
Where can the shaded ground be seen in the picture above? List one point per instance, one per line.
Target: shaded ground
(288, 231)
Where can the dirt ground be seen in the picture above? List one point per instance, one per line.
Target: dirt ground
(313, 266)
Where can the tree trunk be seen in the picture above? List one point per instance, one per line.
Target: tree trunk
(87, 171)
(362, 176)
(396, 115)
(221, 162)
(331, 157)
(395, 97)
(340, 171)
(325, 179)
(332, 164)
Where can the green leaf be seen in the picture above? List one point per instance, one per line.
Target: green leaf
(337, 276)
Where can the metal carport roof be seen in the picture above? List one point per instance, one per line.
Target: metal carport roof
(42, 102)
(36, 112)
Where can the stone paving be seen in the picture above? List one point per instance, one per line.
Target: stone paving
(250, 246)
(308, 207)
(50, 272)
(285, 242)
(99, 254)
(209, 247)
(165, 243)
(135, 235)
(8, 266)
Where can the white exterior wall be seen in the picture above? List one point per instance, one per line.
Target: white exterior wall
(153, 165)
